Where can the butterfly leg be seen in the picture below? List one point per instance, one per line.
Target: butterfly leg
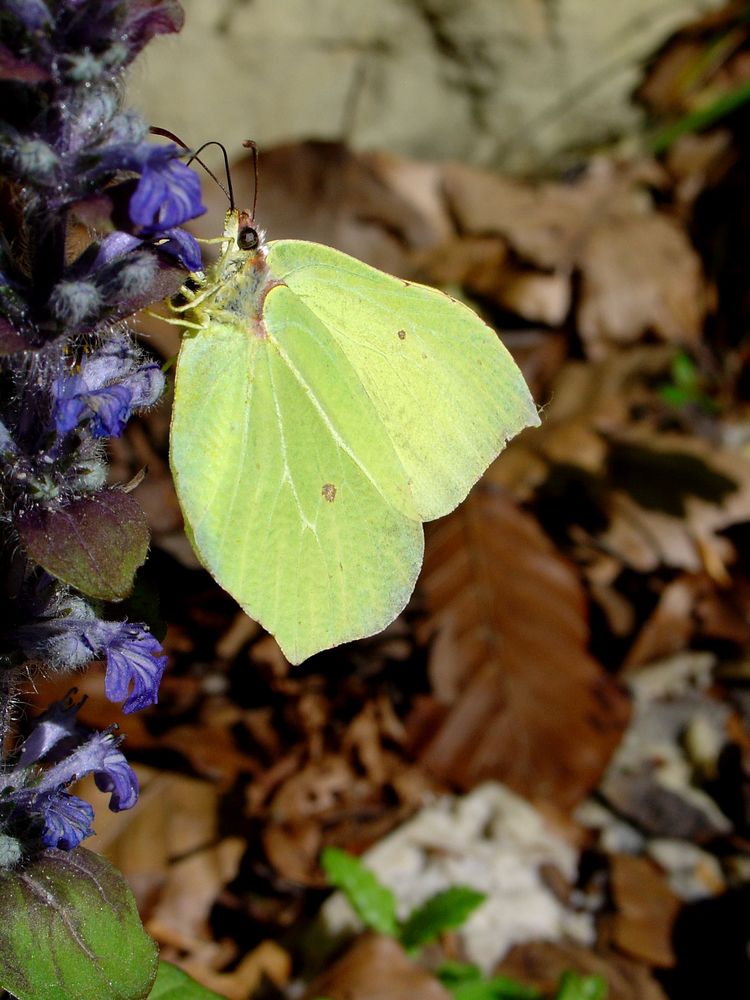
(175, 321)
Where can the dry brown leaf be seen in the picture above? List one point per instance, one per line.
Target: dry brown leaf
(517, 697)
(181, 915)
(639, 272)
(542, 963)
(670, 625)
(268, 961)
(533, 295)
(321, 786)
(646, 910)
(293, 849)
(211, 751)
(376, 968)
(474, 262)
(362, 744)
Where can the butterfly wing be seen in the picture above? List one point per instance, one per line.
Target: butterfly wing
(312, 436)
(282, 483)
(447, 393)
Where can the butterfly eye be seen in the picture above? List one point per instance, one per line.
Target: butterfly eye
(247, 238)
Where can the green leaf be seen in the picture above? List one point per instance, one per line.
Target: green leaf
(94, 543)
(441, 912)
(466, 982)
(684, 371)
(452, 973)
(322, 411)
(174, 984)
(69, 929)
(496, 988)
(702, 117)
(576, 987)
(373, 903)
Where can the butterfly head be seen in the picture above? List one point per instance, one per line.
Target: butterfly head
(244, 245)
(241, 233)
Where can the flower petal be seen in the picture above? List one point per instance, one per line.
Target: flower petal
(98, 756)
(105, 390)
(57, 723)
(134, 657)
(168, 192)
(184, 247)
(67, 819)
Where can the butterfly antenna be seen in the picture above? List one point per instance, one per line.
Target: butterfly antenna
(249, 144)
(156, 130)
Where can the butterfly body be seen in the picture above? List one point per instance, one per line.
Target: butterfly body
(324, 410)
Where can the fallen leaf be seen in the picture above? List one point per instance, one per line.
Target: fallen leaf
(542, 963)
(376, 968)
(639, 274)
(517, 697)
(646, 910)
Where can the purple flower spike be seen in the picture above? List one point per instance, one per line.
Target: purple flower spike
(133, 657)
(176, 242)
(168, 193)
(34, 797)
(69, 633)
(34, 14)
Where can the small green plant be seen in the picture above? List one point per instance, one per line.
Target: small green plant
(687, 386)
(575, 987)
(375, 904)
(467, 982)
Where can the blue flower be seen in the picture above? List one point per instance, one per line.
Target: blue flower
(183, 246)
(69, 635)
(34, 795)
(98, 756)
(55, 726)
(134, 657)
(105, 390)
(176, 242)
(67, 819)
(113, 29)
(168, 192)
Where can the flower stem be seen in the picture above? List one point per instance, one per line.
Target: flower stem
(8, 688)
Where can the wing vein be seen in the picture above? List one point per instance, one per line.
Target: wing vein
(340, 442)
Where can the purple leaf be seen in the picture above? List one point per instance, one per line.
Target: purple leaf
(13, 68)
(94, 543)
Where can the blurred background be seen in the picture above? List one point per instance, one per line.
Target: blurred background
(516, 85)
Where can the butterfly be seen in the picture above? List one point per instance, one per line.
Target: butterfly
(323, 410)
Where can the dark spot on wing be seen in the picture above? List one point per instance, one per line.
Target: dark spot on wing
(328, 492)
(401, 334)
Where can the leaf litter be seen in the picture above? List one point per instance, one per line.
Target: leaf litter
(576, 650)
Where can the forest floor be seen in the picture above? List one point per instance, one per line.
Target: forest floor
(560, 716)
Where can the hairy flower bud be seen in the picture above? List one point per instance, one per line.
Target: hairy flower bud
(74, 301)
